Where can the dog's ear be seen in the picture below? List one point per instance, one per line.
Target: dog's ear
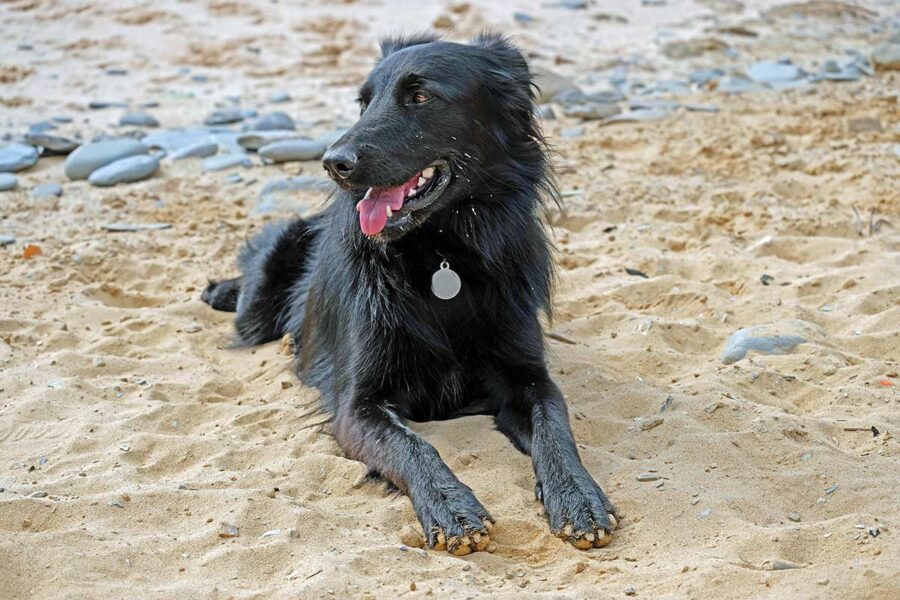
(390, 45)
(513, 80)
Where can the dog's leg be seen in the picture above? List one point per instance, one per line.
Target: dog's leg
(222, 295)
(451, 517)
(534, 417)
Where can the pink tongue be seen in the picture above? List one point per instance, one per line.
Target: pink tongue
(372, 213)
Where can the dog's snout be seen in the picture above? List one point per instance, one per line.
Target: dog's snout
(340, 162)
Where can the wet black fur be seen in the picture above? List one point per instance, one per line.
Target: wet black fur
(367, 330)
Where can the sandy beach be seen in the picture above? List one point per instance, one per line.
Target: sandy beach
(143, 457)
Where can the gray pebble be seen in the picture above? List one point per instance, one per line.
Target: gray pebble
(17, 157)
(148, 104)
(41, 126)
(226, 161)
(101, 104)
(199, 78)
(704, 513)
(647, 477)
(250, 113)
(273, 121)
(8, 182)
(775, 74)
(592, 111)
(125, 170)
(630, 591)
(90, 157)
(132, 227)
(572, 132)
(760, 339)
(737, 85)
(172, 140)
(235, 178)
(279, 97)
(886, 56)
(545, 111)
(47, 190)
(224, 116)
(51, 143)
(196, 150)
(708, 108)
(634, 116)
(703, 76)
(61, 118)
(550, 84)
(782, 565)
(254, 140)
(521, 17)
(37, 495)
(793, 516)
(328, 139)
(116, 71)
(139, 119)
(293, 150)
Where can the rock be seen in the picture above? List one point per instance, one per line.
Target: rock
(411, 537)
(192, 328)
(574, 4)
(703, 76)
(680, 49)
(227, 141)
(648, 424)
(148, 104)
(125, 170)
(98, 362)
(778, 75)
(226, 161)
(572, 132)
(6, 240)
(196, 150)
(8, 182)
(635, 116)
(234, 178)
(273, 121)
(172, 140)
(329, 139)
(545, 111)
(279, 97)
(592, 111)
(886, 56)
(293, 150)
(47, 190)
(647, 477)
(254, 140)
(793, 516)
(768, 339)
(61, 118)
(630, 591)
(17, 157)
(41, 127)
(276, 196)
(227, 530)
(139, 119)
(709, 108)
(131, 227)
(523, 18)
(37, 495)
(224, 116)
(101, 104)
(51, 143)
(90, 157)
(551, 84)
(249, 113)
(865, 125)
(782, 565)
(736, 84)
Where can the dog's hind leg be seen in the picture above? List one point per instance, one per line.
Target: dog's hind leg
(272, 264)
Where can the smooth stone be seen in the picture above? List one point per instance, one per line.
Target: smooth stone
(228, 142)
(115, 71)
(172, 140)
(41, 126)
(61, 118)
(707, 108)
(234, 178)
(279, 97)
(521, 17)
(17, 157)
(277, 195)
(90, 157)
(546, 112)
(138, 119)
(634, 116)
(224, 116)
(592, 111)
(767, 339)
(737, 85)
(574, 4)
(6, 240)
(131, 227)
(276, 121)
(47, 190)
(8, 182)
(550, 84)
(250, 113)
(149, 104)
(226, 161)
(653, 104)
(52, 143)
(125, 170)
(101, 104)
(886, 56)
(254, 140)
(293, 150)
(199, 78)
(196, 150)
(329, 138)
(774, 73)
(643, 477)
(704, 76)
(572, 132)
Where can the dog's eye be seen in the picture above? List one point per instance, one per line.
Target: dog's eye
(420, 98)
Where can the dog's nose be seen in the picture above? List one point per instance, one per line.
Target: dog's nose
(340, 162)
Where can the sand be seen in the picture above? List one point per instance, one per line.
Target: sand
(135, 444)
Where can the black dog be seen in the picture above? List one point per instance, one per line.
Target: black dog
(417, 293)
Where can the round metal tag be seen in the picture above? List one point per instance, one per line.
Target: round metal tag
(445, 283)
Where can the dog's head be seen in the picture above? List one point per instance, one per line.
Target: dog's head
(436, 118)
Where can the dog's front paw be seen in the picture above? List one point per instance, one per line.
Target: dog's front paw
(453, 519)
(578, 510)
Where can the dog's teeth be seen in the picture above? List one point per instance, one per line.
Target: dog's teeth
(411, 193)
(427, 173)
(389, 212)
(422, 181)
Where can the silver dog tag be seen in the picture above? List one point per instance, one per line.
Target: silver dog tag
(445, 283)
